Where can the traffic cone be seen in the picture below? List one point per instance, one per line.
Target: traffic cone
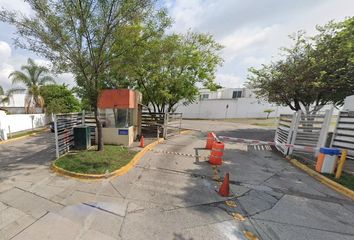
(142, 142)
(224, 190)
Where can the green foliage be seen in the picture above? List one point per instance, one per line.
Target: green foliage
(33, 77)
(1, 91)
(268, 112)
(314, 72)
(165, 68)
(77, 37)
(59, 99)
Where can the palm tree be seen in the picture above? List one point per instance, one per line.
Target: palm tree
(33, 77)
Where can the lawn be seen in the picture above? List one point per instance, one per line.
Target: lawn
(347, 180)
(94, 162)
(263, 122)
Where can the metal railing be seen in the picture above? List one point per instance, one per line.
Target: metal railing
(343, 135)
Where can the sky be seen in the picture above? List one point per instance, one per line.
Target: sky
(251, 31)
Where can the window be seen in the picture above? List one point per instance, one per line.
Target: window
(236, 94)
(204, 96)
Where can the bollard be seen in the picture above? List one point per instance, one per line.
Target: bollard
(217, 152)
(341, 163)
(210, 140)
(142, 141)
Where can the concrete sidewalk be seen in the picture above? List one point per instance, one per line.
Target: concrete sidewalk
(169, 196)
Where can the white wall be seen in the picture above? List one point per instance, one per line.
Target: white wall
(20, 122)
(15, 100)
(349, 103)
(237, 108)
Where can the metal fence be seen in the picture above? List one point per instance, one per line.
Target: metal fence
(284, 132)
(343, 135)
(312, 130)
(167, 124)
(299, 129)
(64, 131)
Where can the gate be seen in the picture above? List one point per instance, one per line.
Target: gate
(285, 130)
(299, 129)
(167, 124)
(173, 124)
(64, 133)
(343, 135)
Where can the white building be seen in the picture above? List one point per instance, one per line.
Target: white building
(16, 103)
(229, 103)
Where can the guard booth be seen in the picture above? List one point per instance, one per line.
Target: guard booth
(120, 111)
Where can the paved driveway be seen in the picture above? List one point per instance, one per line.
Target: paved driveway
(169, 196)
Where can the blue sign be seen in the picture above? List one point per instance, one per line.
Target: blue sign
(123, 131)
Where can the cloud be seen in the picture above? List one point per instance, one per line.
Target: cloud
(253, 30)
(5, 51)
(242, 39)
(16, 5)
(228, 80)
(10, 62)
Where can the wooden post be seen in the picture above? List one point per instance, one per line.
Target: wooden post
(343, 157)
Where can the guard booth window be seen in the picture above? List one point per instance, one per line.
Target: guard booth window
(236, 94)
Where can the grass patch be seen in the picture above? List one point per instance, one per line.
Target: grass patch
(347, 180)
(94, 162)
(25, 133)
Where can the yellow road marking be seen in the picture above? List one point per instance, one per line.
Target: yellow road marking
(238, 217)
(231, 203)
(250, 235)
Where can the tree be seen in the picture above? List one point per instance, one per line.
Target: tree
(313, 72)
(1, 91)
(59, 99)
(268, 112)
(77, 36)
(168, 68)
(33, 77)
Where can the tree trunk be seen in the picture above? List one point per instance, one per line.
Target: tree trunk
(99, 131)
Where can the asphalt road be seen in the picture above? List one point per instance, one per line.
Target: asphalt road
(169, 196)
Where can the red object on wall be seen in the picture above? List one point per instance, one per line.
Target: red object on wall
(117, 98)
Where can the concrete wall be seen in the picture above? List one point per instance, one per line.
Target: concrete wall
(237, 108)
(20, 122)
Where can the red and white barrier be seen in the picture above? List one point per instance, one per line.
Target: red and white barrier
(258, 142)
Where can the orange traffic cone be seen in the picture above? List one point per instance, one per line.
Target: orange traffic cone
(224, 190)
(142, 142)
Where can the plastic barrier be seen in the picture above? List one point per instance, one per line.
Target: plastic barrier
(326, 160)
(217, 152)
(210, 140)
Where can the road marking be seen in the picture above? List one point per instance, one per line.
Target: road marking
(231, 203)
(238, 217)
(180, 154)
(250, 235)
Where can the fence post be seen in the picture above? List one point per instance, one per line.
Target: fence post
(293, 131)
(83, 117)
(324, 130)
(56, 137)
(180, 123)
(165, 125)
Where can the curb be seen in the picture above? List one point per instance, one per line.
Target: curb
(25, 136)
(328, 182)
(116, 173)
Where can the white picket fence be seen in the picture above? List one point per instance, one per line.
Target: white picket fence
(13, 123)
